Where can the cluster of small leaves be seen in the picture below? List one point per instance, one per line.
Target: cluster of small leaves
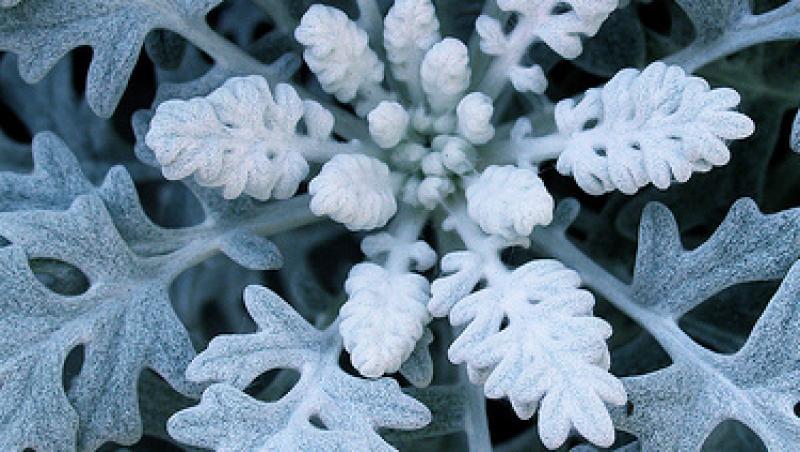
(170, 279)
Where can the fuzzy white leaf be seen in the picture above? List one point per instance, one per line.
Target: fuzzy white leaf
(445, 74)
(383, 318)
(387, 124)
(657, 126)
(509, 201)
(352, 409)
(432, 190)
(319, 121)
(432, 164)
(526, 79)
(355, 190)
(463, 271)
(530, 336)
(338, 52)
(474, 114)
(410, 29)
(559, 23)
(457, 154)
(239, 137)
(493, 40)
(384, 243)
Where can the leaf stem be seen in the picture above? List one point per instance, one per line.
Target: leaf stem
(554, 243)
(406, 227)
(273, 219)
(518, 42)
(528, 151)
(782, 23)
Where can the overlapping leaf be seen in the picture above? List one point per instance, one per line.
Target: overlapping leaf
(41, 32)
(349, 408)
(530, 335)
(677, 408)
(748, 246)
(124, 321)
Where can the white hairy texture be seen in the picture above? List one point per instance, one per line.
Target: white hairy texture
(387, 124)
(525, 79)
(355, 190)
(457, 155)
(492, 39)
(432, 164)
(410, 29)
(461, 272)
(239, 137)
(383, 318)
(445, 74)
(384, 243)
(657, 126)
(509, 201)
(432, 190)
(559, 23)
(407, 156)
(474, 114)
(531, 336)
(338, 52)
(421, 121)
(9, 3)
(409, 192)
(445, 124)
(318, 120)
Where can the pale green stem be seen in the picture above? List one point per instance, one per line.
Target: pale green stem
(370, 20)
(665, 330)
(205, 241)
(782, 23)
(526, 152)
(406, 227)
(518, 42)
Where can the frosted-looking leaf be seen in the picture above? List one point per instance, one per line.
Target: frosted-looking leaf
(41, 32)
(387, 124)
(338, 52)
(759, 385)
(384, 317)
(445, 73)
(383, 243)
(559, 23)
(461, 272)
(124, 321)
(509, 201)
(493, 40)
(711, 18)
(474, 114)
(239, 137)
(410, 29)
(350, 409)
(656, 126)
(355, 190)
(528, 79)
(530, 336)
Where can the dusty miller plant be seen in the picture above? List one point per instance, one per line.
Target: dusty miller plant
(413, 224)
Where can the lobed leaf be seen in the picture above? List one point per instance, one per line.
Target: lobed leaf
(350, 408)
